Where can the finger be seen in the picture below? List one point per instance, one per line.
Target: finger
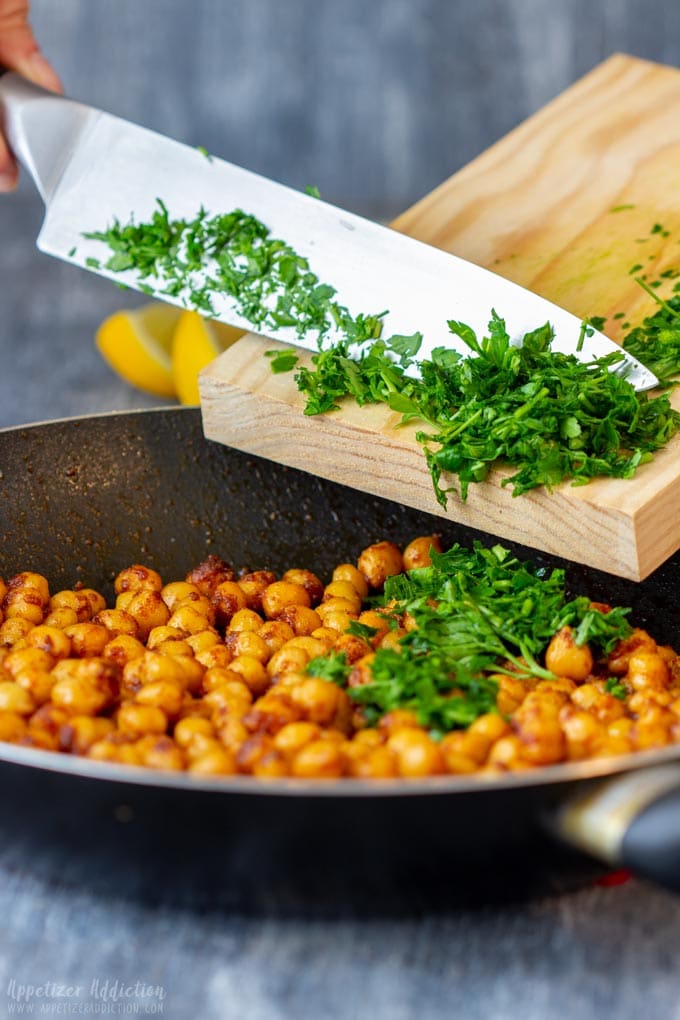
(38, 69)
(8, 168)
(20, 52)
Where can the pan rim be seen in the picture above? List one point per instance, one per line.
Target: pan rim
(127, 412)
(563, 774)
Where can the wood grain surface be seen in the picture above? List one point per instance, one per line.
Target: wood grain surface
(542, 207)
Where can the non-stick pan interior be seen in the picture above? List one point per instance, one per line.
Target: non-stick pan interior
(81, 499)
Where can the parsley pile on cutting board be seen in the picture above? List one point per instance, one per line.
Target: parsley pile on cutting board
(475, 613)
(548, 415)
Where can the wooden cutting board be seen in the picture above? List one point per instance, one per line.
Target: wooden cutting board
(565, 204)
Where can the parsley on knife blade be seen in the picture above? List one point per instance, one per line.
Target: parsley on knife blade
(544, 413)
(200, 259)
(475, 613)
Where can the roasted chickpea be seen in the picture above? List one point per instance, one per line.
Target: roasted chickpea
(123, 649)
(638, 641)
(187, 729)
(141, 719)
(287, 660)
(506, 754)
(416, 753)
(96, 600)
(565, 658)
(232, 733)
(163, 694)
(348, 572)
(254, 586)
(217, 676)
(217, 761)
(537, 725)
(216, 655)
(160, 752)
(149, 668)
(149, 610)
(79, 695)
(275, 634)
(14, 630)
(418, 553)
(138, 578)
(61, 617)
(179, 647)
(322, 702)
(82, 731)
(247, 642)
(175, 593)
(231, 698)
(28, 580)
(203, 640)
(337, 618)
(354, 648)
(309, 581)
(228, 598)
(14, 699)
(27, 659)
(245, 619)
(77, 601)
(252, 671)
(189, 620)
(209, 574)
(647, 669)
(49, 639)
(38, 683)
(583, 732)
(271, 712)
(343, 590)
(25, 603)
(377, 763)
(320, 759)
(87, 639)
(380, 561)
(116, 622)
(293, 736)
(281, 594)
(301, 619)
(12, 726)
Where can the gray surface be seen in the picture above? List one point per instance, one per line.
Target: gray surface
(375, 103)
(596, 954)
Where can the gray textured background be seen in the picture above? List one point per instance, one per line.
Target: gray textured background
(375, 101)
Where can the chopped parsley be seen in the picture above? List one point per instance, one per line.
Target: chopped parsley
(477, 612)
(548, 415)
(614, 687)
(656, 341)
(198, 260)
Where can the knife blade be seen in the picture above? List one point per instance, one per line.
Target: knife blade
(91, 167)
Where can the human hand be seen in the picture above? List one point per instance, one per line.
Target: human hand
(20, 52)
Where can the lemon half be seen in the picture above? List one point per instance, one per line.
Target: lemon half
(196, 342)
(137, 344)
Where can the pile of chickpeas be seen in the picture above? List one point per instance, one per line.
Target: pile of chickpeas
(207, 675)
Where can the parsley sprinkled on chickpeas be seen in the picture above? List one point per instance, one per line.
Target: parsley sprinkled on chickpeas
(410, 663)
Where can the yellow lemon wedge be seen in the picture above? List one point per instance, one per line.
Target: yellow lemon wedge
(195, 343)
(137, 344)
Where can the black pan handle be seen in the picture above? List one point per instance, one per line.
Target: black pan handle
(630, 821)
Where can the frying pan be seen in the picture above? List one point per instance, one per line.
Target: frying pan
(83, 498)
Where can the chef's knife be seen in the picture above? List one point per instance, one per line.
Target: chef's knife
(91, 167)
